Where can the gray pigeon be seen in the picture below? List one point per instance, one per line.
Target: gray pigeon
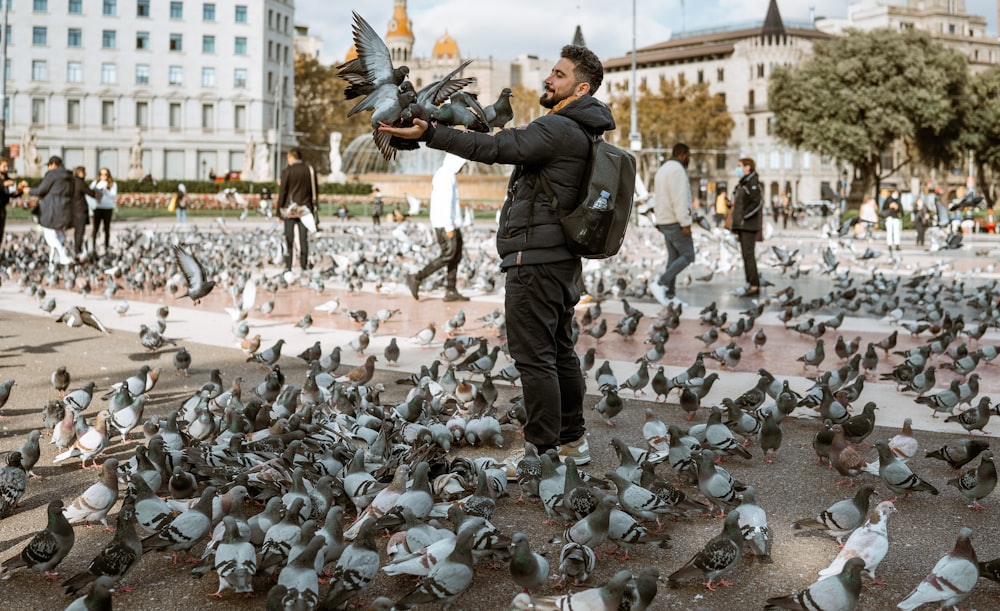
(959, 453)
(235, 560)
(447, 579)
(93, 504)
(528, 569)
(841, 518)
(98, 599)
(185, 530)
(500, 113)
(838, 593)
(48, 547)
(976, 484)
(13, 482)
(897, 475)
(576, 562)
(356, 568)
(720, 556)
(951, 579)
(300, 578)
(78, 316)
(115, 559)
(753, 524)
(198, 286)
(604, 598)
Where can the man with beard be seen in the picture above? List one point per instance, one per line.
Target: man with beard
(542, 275)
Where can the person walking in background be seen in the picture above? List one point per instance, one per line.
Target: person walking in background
(81, 210)
(748, 220)
(786, 210)
(445, 217)
(892, 210)
(55, 208)
(377, 205)
(921, 220)
(672, 203)
(181, 204)
(8, 191)
(106, 190)
(721, 207)
(542, 275)
(297, 187)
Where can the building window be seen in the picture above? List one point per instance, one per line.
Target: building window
(208, 44)
(770, 125)
(240, 117)
(760, 70)
(41, 6)
(109, 74)
(177, 10)
(241, 13)
(73, 113)
(751, 128)
(108, 39)
(701, 77)
(142, 41)
(175, 75)
(208, 77)
(142, 8)
(750, 99)
(720, 162)
(39, 70)
(174, 116)
(37, 111)
(270, 50)
(75, 7)
(208, 11)
(141, 114)
(107, 113)
(720, 75)
(74, 72)
(74, 37)
(208, 116)
(270, 19)
(239, 78)
(142, 74)
(176, 42)
(110, 8)
(240, 48)
(270, 81)
(39, 36)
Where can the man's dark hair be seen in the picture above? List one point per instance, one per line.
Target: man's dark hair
(679, 149)
(55, 160)
(295, 154)
(587, 67)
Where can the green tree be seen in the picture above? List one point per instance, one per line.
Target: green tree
(320, 109)
(862, 92)
(677, 112)
(982, 122)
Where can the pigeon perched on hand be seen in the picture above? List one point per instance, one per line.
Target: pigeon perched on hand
(500, 113)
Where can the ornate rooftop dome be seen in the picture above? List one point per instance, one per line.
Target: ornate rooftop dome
(445, 48)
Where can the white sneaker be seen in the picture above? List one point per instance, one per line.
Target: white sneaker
(660, 293)
(677, 303)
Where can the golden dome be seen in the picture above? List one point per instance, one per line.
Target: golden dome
(400, 24)
(351, 53)
(445, 48)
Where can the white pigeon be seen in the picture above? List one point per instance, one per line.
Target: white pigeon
(95, 502)
(951, 579)
(870, 543)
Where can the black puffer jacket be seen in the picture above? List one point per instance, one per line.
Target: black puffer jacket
(553, 146)
(55, 204)
(748, 204)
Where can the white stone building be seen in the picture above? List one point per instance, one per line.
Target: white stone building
(737, 63)
(194, 80)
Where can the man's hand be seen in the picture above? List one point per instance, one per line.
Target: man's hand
(407, 133)
(686, 229)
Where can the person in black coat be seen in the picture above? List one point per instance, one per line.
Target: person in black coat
(55, 208)
(81, 211)
(747, 221)
(7, 192)
(298, 186)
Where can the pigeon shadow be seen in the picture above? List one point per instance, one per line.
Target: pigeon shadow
(143, 357)
(47, 348)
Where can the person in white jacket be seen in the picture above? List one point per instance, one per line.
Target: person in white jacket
(672, 192)
(104, 208)
(445, 217)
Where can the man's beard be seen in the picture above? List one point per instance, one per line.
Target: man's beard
(550, 102)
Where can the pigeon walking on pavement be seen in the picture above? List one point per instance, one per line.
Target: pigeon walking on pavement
(837, 593)
(719, 557)
(870, 543)
(951, 580)
(48, 547)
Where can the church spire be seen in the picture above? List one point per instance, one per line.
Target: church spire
(399, 37)
(773, 25)
(578, 38)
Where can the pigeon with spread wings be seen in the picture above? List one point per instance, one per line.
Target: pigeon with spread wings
(197, 285)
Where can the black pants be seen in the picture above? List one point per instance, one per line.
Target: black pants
(3, 220)
(748, 246)
(290, 225)
(451, 254)
(102, 218)
(539, 305)
(921, 230)
(79, 232)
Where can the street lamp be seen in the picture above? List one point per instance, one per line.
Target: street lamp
(3, 80)
(634, 139)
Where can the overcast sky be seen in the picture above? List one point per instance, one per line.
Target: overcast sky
(504, 29)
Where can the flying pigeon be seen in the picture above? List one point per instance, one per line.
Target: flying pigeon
(198, 286)
(78, 316)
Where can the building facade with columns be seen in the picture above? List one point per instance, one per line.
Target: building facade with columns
(177, 88)
(737, 64)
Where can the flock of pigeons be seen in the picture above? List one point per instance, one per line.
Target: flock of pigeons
(393, 100)
(336, 460)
